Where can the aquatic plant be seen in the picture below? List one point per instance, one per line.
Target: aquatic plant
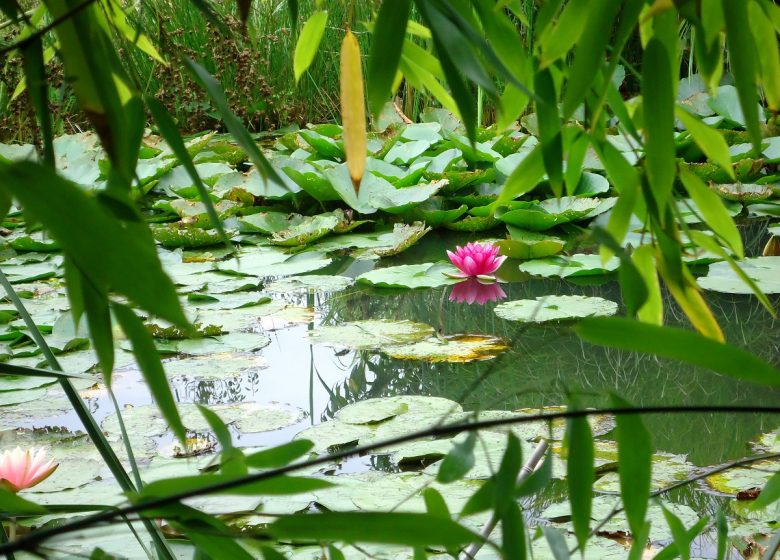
(476, 259)
(20, 470)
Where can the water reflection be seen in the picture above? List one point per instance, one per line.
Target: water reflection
(473, 291)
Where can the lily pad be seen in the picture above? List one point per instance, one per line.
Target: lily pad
(456, 349)
(213, 368)
(574, 266)
(309, 229)
(372, 411)
(402, 237)
(268, 222)
(312, 282)
(523, 244)
(552, 212)
(742, 192)
(403, 153)
(736, 480)
(764, 271)
(364, 335)
(553, 308)
(425, 275)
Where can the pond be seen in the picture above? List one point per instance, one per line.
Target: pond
(300, 376)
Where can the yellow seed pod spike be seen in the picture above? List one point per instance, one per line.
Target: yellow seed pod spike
(353, 109)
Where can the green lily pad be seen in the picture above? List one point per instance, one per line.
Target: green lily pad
(35, 242)
(591, 184)
(332, 434)
(364, 335)
(529, 244)
(474, 224)
(455, 349)
(422, 131)
(552, 212)
(22, 396)
(309, 229)
(310, 283)
(373, 411)
(268, 261)
(425, 275)
(403, 153)
(764, 271)
(574, 266)
(403, 236)
(546, 309)
(178, 235)
(268, 222)
(211, 368)
(432, 212)
(323, 145)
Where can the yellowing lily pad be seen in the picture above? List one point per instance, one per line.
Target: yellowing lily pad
(457, 349)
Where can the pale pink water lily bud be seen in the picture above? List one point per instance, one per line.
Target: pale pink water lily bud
(24, 469)
(476, 259)
(473, 291)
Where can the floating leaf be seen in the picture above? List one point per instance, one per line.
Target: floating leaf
(555, 308)
(456, 349)
(426, 275)
(363, 335)
(529, 244)
(310, 283)
(574, 266)
(764, 271)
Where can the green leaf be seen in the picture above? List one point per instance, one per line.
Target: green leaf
(658, 105)
(652, 311)
(567, 31)
(435, 504)
(37, 87)
(90, 235)
(386, 45)
(708, 139)
(635, 450)
(580, 475)
(513, 533)
(742, 61)
(149, 362)
(557, 543)
(458, 461)
(713, 211)
(170, 132)
(550, 136)
(524, 178)
(589, 55)
(279, 456)
(678, 344)
(232, 122)
(407, 529)
(99, 320)
(11, 505)
(769, 494)
(682, 537)
(309, 42)
(277, 486)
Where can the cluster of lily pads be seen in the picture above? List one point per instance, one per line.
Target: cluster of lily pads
(310, 232)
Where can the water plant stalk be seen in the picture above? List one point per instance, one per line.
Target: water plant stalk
(85, 416)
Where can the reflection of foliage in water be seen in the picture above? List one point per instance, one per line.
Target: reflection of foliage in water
(216, 391)
(546, 364)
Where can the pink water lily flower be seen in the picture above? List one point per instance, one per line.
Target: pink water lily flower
(473, 291)
(24, 469)
(476, 259)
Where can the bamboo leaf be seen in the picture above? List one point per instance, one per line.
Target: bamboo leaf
(386, 46)
(551, 139)
(742, 61)
(708, 139)
(458, 461)
(279, 456)
(353, 109)
(678, 344)
(580, 475)
(149, 362)
(308, 42)
(658, 105)
(277, 486)
(35, 75)
(524, 178)
(89, 235)
(232, 122)
(652, 311)
(567, 31)
(635, 451)
(769, 494)
(769, 60)
(408, 529)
